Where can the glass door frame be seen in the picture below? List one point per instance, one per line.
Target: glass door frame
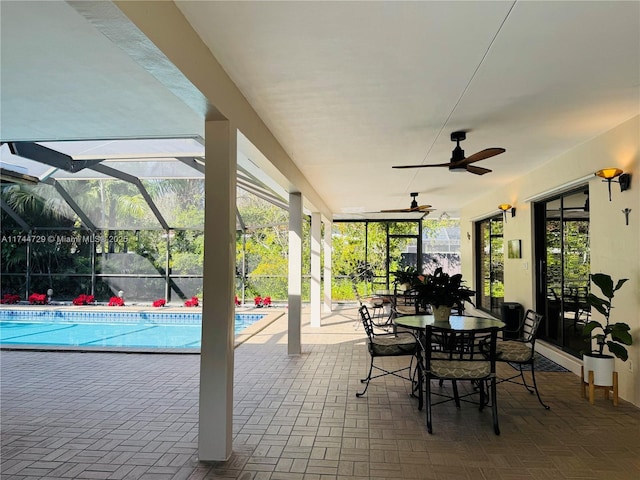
(495, 303)
(558, 305)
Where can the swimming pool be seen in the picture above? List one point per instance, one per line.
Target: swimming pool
(92, 328)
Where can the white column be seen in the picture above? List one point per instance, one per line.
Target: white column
(295, 274)
(218, 311)
(316, 234)
(327, 247)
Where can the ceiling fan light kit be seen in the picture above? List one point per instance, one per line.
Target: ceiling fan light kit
(460, 163)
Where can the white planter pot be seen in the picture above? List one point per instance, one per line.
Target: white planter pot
(602, 367)
(441, 313)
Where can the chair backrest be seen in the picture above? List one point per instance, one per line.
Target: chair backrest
(366, 321)
(530, 325)
(461, 345)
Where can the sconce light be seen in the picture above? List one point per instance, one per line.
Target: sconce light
(608, 175)
(505, 207)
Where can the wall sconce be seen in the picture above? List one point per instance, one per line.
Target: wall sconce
(608, 175)
(505, 207)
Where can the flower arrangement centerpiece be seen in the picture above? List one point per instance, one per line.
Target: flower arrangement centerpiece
(192, 302)
(10, 298)
(116, 302)
(161, 302)
(83, 299)
(442, 291)
(38, 299)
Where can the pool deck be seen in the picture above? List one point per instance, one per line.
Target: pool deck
(78, 416)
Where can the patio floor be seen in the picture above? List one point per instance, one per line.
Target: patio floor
(135, 416)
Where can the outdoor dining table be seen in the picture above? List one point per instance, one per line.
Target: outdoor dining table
(455, 323)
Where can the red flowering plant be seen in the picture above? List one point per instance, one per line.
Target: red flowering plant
(266, 301)
(10, 298)
(237, 301)
(83, 299)
(116, 302)
(257, 301)
(161, 302)
(193, 302)
(38, 299)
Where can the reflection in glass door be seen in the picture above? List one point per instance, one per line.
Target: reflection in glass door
(562, 268)
(490, 267)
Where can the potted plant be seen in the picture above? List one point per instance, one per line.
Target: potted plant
(614, 335)
(442, 291)
(406, 278)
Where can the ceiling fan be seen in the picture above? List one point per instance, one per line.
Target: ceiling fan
(458, 161)
(413, 208)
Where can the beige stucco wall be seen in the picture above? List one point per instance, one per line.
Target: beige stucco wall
(615, 247)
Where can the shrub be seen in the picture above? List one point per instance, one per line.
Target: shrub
(83, 299)
(10, 298)
(116, 302)
(38, 299)
(193, 302)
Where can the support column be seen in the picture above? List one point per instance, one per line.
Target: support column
(328, 249)
(218, 311)
(295, 274)
(316, 234)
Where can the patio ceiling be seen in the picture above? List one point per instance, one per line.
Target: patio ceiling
(347, 88)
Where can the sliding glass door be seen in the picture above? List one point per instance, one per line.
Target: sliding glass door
(562, 268)
(490, 266)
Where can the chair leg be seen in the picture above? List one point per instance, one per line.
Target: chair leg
(427, 382)
(455, 393)
(483, 399)
(368, 379)
(535, 386)
(494, 406)
(524, 380)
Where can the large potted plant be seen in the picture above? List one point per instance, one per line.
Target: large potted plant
(442, 291)
(612, 335)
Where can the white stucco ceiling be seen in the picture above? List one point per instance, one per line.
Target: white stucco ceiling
(348, 88)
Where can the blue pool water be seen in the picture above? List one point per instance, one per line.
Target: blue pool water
(106, 329)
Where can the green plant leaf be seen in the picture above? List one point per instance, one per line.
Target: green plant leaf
(620, 333)
(620, 283)
(618, 350)
(604, 282)
(589, 327)
(601, 305)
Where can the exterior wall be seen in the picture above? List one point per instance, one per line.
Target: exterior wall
(615, 247)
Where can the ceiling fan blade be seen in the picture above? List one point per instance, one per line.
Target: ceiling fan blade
(482, 154)
(422, 166)
(397, 210)
(421, 208)
(477, 170)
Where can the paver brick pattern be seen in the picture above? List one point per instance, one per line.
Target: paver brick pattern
(71, 415)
